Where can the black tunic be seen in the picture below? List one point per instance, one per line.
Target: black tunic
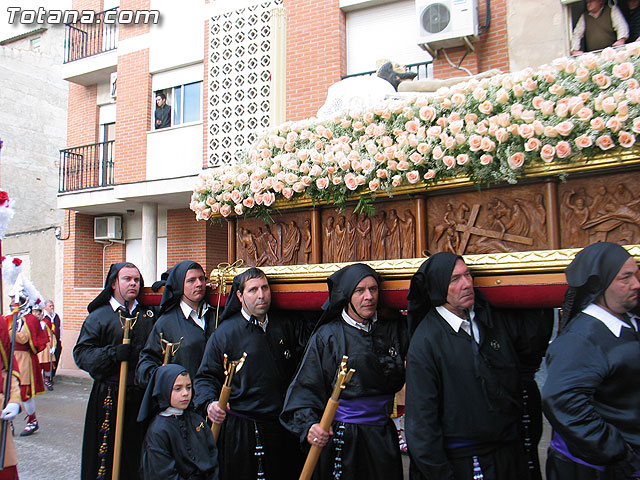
(464, 399)
(369, 451)
(179, 447)
(173, 325)
(257, 394)
(94, 352)
(592, 394)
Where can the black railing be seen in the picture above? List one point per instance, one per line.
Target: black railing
(88, 166)
(85, 39)
(421, 68)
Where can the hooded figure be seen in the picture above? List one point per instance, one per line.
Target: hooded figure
(100, 351)
(181, 329)
(252, 442)
(178, 444)
(592, 393)
(468, 367)
(364, 442)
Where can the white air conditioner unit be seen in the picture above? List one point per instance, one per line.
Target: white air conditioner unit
(446, 23)
(107, 228)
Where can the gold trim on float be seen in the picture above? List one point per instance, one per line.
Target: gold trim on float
(602, 161)
(532, 262)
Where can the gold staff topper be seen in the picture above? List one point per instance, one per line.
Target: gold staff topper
(169, 349)
(232, 367)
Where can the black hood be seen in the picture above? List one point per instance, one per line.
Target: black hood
(174, 287)
(105, 295)
(157, 397)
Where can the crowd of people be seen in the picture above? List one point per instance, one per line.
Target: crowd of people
(473, 408)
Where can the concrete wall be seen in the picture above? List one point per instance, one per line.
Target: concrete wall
(33, 126)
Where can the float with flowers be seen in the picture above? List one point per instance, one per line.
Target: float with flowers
(514, 172)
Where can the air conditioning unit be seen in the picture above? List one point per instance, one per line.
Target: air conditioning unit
(107, 228)
(446, 23)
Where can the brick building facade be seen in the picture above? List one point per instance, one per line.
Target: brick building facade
(196, 57)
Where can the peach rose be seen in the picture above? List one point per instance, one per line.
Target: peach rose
(437, 152)
(287, 192)
(601, 80)
(487, 144)
(351, 181)
(585, 114)
(431, 173)
(597, 123)
(502, 135)
(516, 160)
(583, 141)
(563, 149)
(614, 124)
(482, 128)
(518, 90)
(475, 143)
(396, 180)
(502, 96)
(449, 142)
(412, 126)
(382, 173)
(605, 142)
(427, 113)
(457, 99)
(322, 183)
(550, 131)
(374, 184)
(225, 210)
(556, 89)
(416, 158)
(413, 176)
(434, 131)
(236, 196)
(268, 199)
(528, 116)
(525, 130)
(537, 102)
(623, 71)
(480, 94)
(462, 159)
(530, 84)
(582, 74)
(486, 159)
(562, 110)
(471, 117)
(423, 148)
(626, 139)
(532, 145)
(299, 187)
(564, 128)
(547, 153)
(590, 61)
(449, 161)
(547, 107)
(248, 202)
(485, 107)
(636, 125)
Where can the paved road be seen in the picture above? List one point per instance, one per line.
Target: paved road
(53, 452)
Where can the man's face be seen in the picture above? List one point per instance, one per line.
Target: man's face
(364, 300)
(49, 307)
(594, 6)
(256, 297)
(622, 295)
(460, 296)
(160, 101)
(127, 285)
(195, 284)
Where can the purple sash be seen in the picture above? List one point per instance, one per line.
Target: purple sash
(558, 443)
(365, 410)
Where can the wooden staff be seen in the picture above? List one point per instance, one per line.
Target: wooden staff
(221, 281)
(230, 368)
(169, 349)
(7, 384)
(127, 324)
(327, 417)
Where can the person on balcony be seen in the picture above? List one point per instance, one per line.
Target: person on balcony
(472, 405)
(631, 11)
(362, 441)
(163, 111)
(599, 27)
(592, 393)
(252, 443)
(185, 323)
(100, 351)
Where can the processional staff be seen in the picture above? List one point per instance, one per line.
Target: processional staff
(169, 349)
(7, 382)
(221, 281)
(230, 368)
(342, 379)
(127, 324)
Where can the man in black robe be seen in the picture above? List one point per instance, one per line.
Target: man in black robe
(178, 444)
(99, 351)
(252, 442)
(364, 441)
(467, 367)
(592, 393)
(185, 320)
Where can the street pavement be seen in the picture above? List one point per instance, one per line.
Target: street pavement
(53, 452)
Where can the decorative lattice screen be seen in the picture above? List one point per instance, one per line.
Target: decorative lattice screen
(239, 79)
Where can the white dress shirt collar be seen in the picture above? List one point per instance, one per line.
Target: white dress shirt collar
(455, 322)
(366, 327)
(263, 324)
(192, 313)
(115, 304)
(612, 322)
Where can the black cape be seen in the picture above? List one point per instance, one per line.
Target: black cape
(176, 447)
(257, 394)
(174, 328)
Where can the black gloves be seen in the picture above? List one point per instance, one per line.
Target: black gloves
(123, 352)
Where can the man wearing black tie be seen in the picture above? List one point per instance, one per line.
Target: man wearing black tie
(592, 393)
(468, 368)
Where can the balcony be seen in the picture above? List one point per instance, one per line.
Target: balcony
(423, 70)
(83, 40)
(88, 166)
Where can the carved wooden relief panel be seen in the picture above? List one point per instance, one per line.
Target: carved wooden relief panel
(600, 209)
(490, 221)
(390, 234)
(286, 241)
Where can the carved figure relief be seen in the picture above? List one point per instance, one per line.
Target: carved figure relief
(306, 235)
(408, 227)
(597, 213)
(500, 225)
(277, 244)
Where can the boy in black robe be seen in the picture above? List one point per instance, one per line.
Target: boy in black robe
(252, 442)
(465, 378)
(179, 444)
(99, 351)
(365, 441)
(185, 320)
(592, 393)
